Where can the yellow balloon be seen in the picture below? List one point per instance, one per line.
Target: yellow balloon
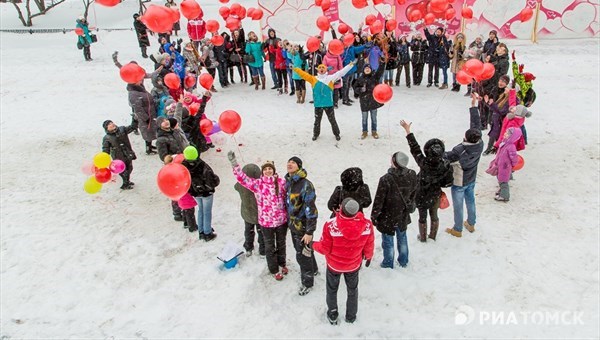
(102, 160)
(92, 186)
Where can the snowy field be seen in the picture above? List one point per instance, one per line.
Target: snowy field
(116, 265)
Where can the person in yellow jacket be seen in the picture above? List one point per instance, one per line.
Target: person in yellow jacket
(322, 85)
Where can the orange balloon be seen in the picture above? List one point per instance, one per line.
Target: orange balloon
(325, 5)
(376, 27)
(487, 71)
(391, 25)
(224, 12)
(348, 39)
(217, 40)
(257, 14)
(359, 3)
(429, 18)
(450, 12)
(463, 78)
(370, 19)
(132, 73)
(206, 126)
(473, 67)
(415, 15)
(189, 81)
(520, 163)
(108, 3)
(212, 26)
(343, 28)
(158, 19)
(79, 31)
(526, 14)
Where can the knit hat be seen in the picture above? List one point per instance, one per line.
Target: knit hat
(160, 120)
(473, 135)
(460, 35)
(161, 57)
(173, 122)
(495, 32)
(521, 111)
(400, 160)
(350, 207)
(367, 66)
(136, 15)
(252, 170)
(528, 76)
(105, 124)
(505, 79)
(268, 164)
(296, 160)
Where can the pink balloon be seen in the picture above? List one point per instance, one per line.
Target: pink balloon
(88, 168)
(117, 166)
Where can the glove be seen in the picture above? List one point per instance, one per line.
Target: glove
(179, 41)
(494, 150)
(232, 160)
(368, 263)
(521, 67)
(513, 55)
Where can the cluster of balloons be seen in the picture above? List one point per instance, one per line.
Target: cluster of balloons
(430, 10)
(475, 69)
(160, 19)
(100, 171)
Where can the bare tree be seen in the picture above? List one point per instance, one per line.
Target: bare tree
(86, 5)
(42, 8)
(142, 5)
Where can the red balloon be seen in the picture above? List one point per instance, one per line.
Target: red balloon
(450, 12)
(212, 26)
(359, 3)
(376, 27)
(223, 1)
(189, 81)
(526, 14)
(467, 13)
(79, 31)
(250, 11)
(206, 81)
(257, 14)
(391, 25)
(230, 122)
(429, 18)
(158, 19)
(217, 40)
(242, 13)
(224, 12)
(103, 175)
(325, 5)
(520, 163)
(488, 71)
(450, 1)
(108, 3)
(179, 158)
(370, 19)
(318, 3)
(323, 23)
(174, 180)
(206, 126)
(473, 67)
(232, 24)
(343, 28)
(336, 47)
(132, 73)
(312, 44)
(415, 15)
(175, 15)
(235, 8)
(382, 93)
(438, 5)
(172, 81)
(462, 77)
(193, 108)
(348, 39)
(190, 9)
(377, 2)
(401, 2)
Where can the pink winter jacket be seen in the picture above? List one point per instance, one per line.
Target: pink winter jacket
(334, 63)
(271, 207)
(506, 158)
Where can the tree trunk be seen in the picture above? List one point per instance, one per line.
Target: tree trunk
(20, 14)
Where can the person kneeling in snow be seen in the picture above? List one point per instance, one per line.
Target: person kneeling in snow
(117, 144)
(346, 240)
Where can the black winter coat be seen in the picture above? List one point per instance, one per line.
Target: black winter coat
(191, 127)
(167, 144)
(352, 186)
(393, 56)
(438, 49)
(364, 86)
(436, 173)
(141, 33)
(464, 158)
(419, 50)
(117, 144)
(501, 64)
(394, 200)
(489, 47)
(204, 180)
(144, 110)
(403, 53)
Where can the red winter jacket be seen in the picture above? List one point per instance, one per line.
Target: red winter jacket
(196, 29)
(345, 241)
(279, 59)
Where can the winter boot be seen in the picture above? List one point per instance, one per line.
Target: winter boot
(149, 149)
(264, 81)
(364, 135)
(285, 89)
(453, 232)
(213, 89)
(256, 82)
(470, 228)
(144, 55)
(292, 92)
(298, 96)
(375, 135)
(304, 290)
(231, 75)
(468, 90)
(332, 317)
(444, 86)
(303, 96)
(423, 232)
(434, 229)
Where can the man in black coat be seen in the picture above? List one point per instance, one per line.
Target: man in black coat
(419, 48)
(142, 34)
(352, 187)
(393, 204)
(116, 144)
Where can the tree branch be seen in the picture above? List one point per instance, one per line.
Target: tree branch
(47, 9)
(20, 13)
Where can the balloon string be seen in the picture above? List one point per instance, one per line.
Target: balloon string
(238, 148)
(389, 128)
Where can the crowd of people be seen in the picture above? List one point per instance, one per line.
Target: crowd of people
(272, 204)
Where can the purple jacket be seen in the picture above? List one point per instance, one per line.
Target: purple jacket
(498, 114)
(506, 157)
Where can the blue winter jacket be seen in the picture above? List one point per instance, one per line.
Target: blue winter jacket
(350, 54)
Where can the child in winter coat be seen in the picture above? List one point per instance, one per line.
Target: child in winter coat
(187, 204)
(515, 118)
(345, 242)
(364, 86)
(334, 64)
(353, 187)
(280, 67)
(270, 194)
(435, 173)
(116, 143)
(505, 160)
(250, 212)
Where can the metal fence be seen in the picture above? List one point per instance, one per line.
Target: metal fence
(57, 30)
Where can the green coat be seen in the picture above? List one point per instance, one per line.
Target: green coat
(255, 49)
(84, 39)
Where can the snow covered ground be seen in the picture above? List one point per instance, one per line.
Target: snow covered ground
(116, 264)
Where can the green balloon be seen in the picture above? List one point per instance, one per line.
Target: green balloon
(190, 153)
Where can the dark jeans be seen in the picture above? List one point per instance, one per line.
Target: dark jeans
(346, 87)
(330, 115)
(333, 283)
(275, 247)
(300, 84)
(418, 73)
(212, 72)
(433, 212)
(406, 68)
(249, 237)
(282, 78)
(87, 53)
(431, 77)
(127, 172)
(176, 209)
(222, 68)
(273, 71)
(189, 218)
(308, 264)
